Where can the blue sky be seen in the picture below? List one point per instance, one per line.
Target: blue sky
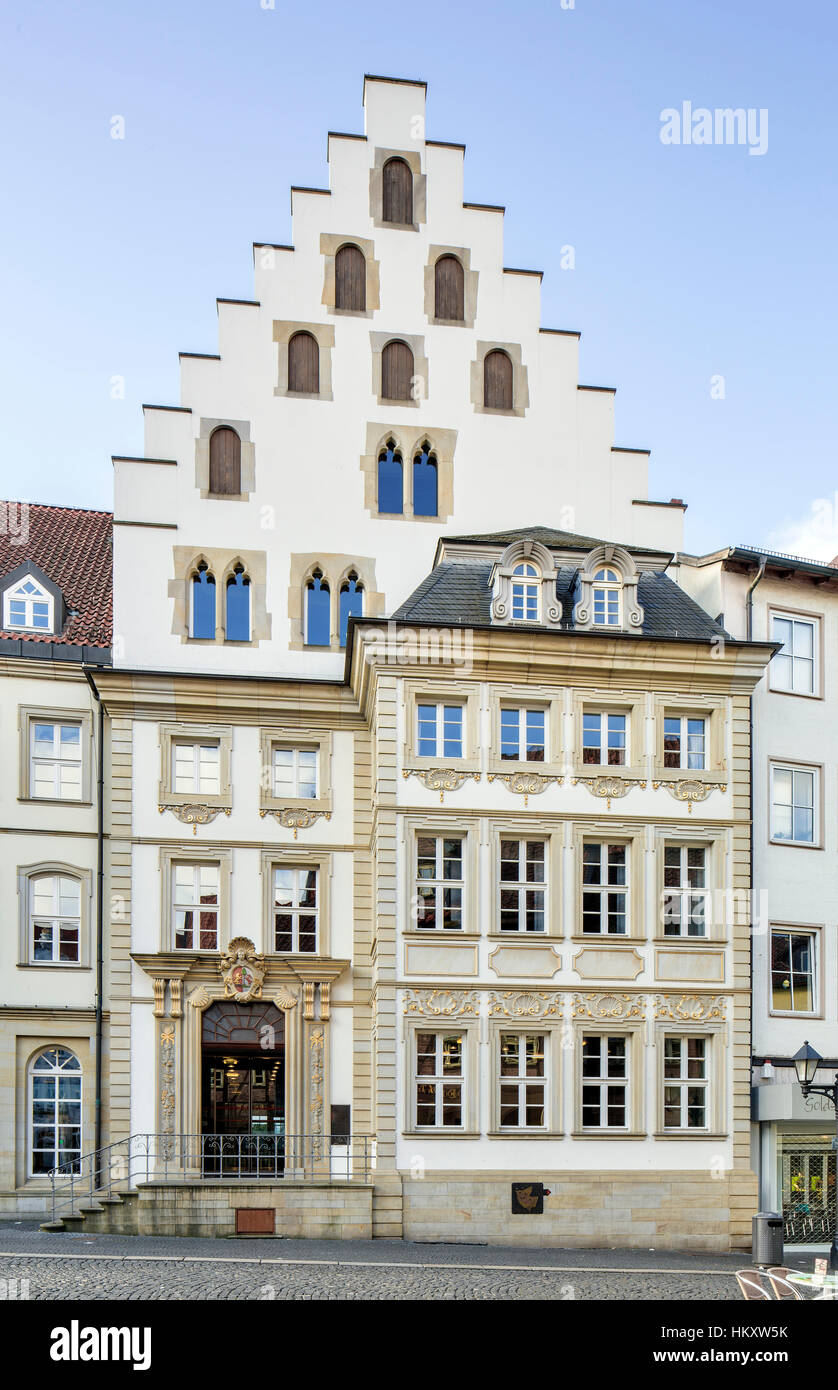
(692, 263)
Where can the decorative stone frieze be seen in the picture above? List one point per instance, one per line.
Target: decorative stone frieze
(525, 1003)
(525, 784)
(194, 813)
(691, 1008)
(691, 789)
(442, 1003)
(295, 817)
(608, 1007)
(441, 779)
(609, 789)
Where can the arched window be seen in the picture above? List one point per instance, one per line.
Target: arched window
(237, 618)
(606, 598)
(350, 279)
(351, 602)
(449, 291)
(425, 483)
(390, 480)
(55, 1115)
(526, 585)
(304, 364)
(54, 912)
(203, 603)
(397, 192)
(225, 469)
(396, 372)
(318, 611)
(497, 380)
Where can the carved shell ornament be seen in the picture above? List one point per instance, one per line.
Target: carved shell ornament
(525, 784)
(442, 1003)
(691, 790)
(441, 779)
(609, 1006)
(609, 788)
(691, 1008)
(525, 1003)
(194, 813)
(295, 817)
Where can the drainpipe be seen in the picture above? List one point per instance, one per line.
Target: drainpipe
(100, 897)
(749, 628)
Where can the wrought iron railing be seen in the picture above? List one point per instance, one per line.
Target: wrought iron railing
(146, 1158)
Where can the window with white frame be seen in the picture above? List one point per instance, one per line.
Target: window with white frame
(684, 742)
(793, 970)
(196, 768)
(195, 906)
(54, 919)
(522, 1080)
(606, 596)
(604, 739)
(439, 882)
(296, 908)
(294, 772)
(526, 593)
(55, 760)
(55, 1114)
(605, 1081)
(440, 1080)
(439, 730)
(28, 607)
(794, 669)
(523, 885)
(794, 793)
(686, 1082)
(685, 891)
(522, 734)
(605, 887)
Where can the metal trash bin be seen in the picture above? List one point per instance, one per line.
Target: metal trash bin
(767, 1238)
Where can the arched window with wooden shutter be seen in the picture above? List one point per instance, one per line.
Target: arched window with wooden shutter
(396, 372)
(497, 380)
(449, 289)
(304, 364)
(225, 468)
(397, 192)
(351, 279)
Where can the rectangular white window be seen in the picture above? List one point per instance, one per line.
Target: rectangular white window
(56, 760)
(439, 1080)
(793, 804)
(54, 919)
(439, 732)
(604, 739)
(685, 742)
(196, 768)
(605, 888)
(523, 884)
(522, 735)
(522, 1081)
(605, 1081)
(439, 882)
(793, 970)
(685, 890)
(296, 908)
(195, 889)
(794, 668)
(295, 772)
(686, 1083)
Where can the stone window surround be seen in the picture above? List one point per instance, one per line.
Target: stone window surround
(221, 564)
(539, 557)
(607, 833)
(170, 855)
(324, 336)
(419, 379)
(631, 613)
(528, 828)
(470, 279)
(463, 693)
(408, 441)
(288, 737)
(77, 1038)
(469, 1029)
(798, 764)
(413, 160)
(511, 697)
(293, 857)
(41, 714)
(817, 932)
(716, 1035)
(207, 427)
(222, 734)
(715, 711)
(335, 569)
(817, 620)
(714, 840)
(632, 705)
(551, 1030)
(635, 1032)
(467, 829)
(330, 244)
(84, 877)
(520, 383)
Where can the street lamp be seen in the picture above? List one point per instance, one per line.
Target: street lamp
(806, 1063)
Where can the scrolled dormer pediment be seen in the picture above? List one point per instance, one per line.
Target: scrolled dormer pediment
(607, 589)
(523, 584)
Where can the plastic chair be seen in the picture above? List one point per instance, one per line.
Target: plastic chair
(783, 1289)
(752, 1287)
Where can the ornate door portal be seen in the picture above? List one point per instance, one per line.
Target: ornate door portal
(242, 1089)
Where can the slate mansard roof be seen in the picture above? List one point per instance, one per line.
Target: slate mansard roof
(458, 591)
(73, 549)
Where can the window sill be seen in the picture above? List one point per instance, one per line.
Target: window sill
(690, 940)
(441, 1133)
(627, 939)
(172, 801)
(608, 1134)
(796, 694)
(443, 933)
(51, 965)
(533, 1133)
(296, 803)
(793, 844)
(631, 772)
(56, 800)
(794, 1013)
(714, 775)
(497, 767)
(518, 936)
(688, 1134)
(420, 763)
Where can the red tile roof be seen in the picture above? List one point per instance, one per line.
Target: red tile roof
(74, 548)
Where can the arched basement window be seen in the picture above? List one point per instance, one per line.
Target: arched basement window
(225, 468)
(396, 372)
(390, 481)
(397, 192)
(497, 380)
(425, 483)
(318, 611)
(203, 603)
(304, 364)
(55, 1117)
(449, 289)
(350, 279)
(237, 622)
(351, 603)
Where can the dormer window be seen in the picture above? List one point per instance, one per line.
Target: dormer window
(606, 595)
(28, 607)
(526, 584)
(606, 591)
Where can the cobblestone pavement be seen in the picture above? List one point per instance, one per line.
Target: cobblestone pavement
(131, 1267)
